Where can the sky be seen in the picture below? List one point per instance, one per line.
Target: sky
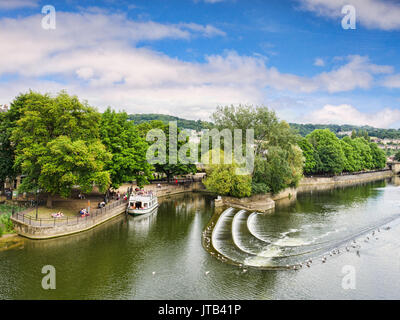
(186, 57)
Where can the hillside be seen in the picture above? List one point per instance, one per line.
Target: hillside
(303, 129)
(197, 125)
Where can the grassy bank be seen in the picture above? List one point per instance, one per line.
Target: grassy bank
(6, 225)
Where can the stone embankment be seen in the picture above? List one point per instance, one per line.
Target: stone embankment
(27, 226)
(266, 202)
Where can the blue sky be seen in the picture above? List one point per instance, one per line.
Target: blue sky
(186, 57)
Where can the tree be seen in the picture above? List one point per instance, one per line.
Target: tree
(68, 163)
(378, 156)
(8, 121)
(128, 149)
(364, 153)
(278, 162)
(6, 150)
(223, 180)
(41, 135)
(169, 168)
(328, 148)
(268, 130)
(350, 155)
(311, 158)
(397, 156)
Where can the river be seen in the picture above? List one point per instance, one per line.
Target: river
(160, 256)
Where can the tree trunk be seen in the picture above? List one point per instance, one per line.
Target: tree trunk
(49, 203)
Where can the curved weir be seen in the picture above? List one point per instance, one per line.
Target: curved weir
(222, 239)
(236, 242)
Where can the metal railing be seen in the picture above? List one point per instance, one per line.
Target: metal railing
(24, 217)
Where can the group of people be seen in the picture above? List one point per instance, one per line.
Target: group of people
(115, 195)
(101, 205)
(83, 212)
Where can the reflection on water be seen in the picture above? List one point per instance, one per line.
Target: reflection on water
(117, 259)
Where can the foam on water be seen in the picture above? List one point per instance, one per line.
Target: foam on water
(271, 252)
(258, 261)
(291, 242)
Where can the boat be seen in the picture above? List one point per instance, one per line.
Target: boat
(141, 202)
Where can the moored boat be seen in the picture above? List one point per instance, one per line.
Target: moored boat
(141, 202)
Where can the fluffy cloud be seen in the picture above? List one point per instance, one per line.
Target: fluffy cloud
(98, 58)
(347, 114)
(17, 4)
(358, 72)
(392, 81)
(377, 14)
(319, 62)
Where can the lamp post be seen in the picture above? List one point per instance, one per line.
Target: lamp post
(36, 202)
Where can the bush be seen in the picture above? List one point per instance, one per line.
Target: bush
(223, 180)
(6, 224)
(259, 188)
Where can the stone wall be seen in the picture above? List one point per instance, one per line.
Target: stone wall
(75, 225)
(325, 183)
(267, 202)
(257, 202)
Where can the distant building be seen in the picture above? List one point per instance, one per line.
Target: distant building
(3, 108)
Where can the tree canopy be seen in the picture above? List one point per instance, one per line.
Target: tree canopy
(278, 161)
(54, 142)
(128, 148)
(327, 154)
(168, 167)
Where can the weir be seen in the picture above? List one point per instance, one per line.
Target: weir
(235, 242)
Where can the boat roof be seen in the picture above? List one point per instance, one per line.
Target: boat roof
(142, 198)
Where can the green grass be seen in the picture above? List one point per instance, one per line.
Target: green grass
(44, 212)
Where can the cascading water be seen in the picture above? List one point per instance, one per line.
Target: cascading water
(237, 239)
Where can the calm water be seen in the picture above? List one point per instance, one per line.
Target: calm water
(117, 259)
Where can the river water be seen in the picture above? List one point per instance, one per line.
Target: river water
(160, 256)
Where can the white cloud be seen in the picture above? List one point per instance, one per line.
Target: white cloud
(347, 114)
(319, 62)
(374, 14)
(17, 4)
(97, 57)
(392, 81)
(358, 72)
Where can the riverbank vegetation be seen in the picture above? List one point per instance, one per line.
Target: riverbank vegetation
(278, 160)
(325, 153)
(282, 155)
(58, 143)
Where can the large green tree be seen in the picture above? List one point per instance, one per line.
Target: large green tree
(311, 159)
(278, 162)
(378, 156)
(6, 150)
(169, 167)
(329, 150)
(8, 121)
(128, 149)
(41, 137)
(223, 179)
